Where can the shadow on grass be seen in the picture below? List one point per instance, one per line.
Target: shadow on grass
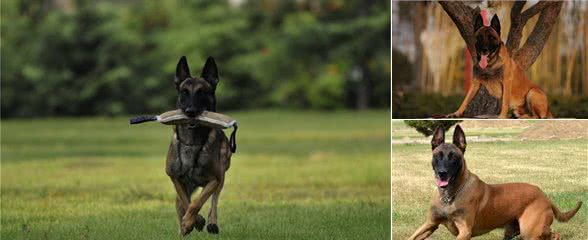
(237, 220)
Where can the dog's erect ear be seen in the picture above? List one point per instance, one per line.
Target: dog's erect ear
(438, 137)
(495, 24)
(459, 139)
(210, 72)
(479, 22)
(182, 71)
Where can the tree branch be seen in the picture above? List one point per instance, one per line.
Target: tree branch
(516, 26)
(463, 17)
(527, 54)
(533, 10)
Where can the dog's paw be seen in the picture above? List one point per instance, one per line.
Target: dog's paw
(454, 115)
(185, 228)
(212, 228)
(189, 223)
(199, 223)
(438, 116)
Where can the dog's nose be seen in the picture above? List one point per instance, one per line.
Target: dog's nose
(442, 174)
(190, 112)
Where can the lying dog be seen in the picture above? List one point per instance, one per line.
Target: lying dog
(504, 79)
(198, 156)
(469, 207)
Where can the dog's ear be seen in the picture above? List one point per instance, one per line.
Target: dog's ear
(495, 24)
(479, 22)
(438, 137)
(182, 71)
(210, 72)
(459, 139)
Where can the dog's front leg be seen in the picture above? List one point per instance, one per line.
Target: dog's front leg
(466, 101)
(506, 93)
(189, 220)
(182, 200)
(182, 194)
(464, 227)
(425, 230)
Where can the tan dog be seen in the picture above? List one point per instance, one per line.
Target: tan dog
(504, 79)
(469, 207)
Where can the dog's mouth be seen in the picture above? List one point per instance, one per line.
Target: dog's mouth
(483, 61)
(442, 183)
(193, 125)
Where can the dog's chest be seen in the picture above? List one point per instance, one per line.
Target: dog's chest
(187, 160)
(447, 211)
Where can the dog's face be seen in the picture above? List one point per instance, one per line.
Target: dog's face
(196, 94)
(448, 158)
(488, 42)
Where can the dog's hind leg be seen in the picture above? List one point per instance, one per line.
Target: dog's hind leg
(511, 230)
(212, 226)
(535, 222)
(538, 104)
(521, 112)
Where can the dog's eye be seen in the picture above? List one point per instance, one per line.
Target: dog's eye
(185, 92)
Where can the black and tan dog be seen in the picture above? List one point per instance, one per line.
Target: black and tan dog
(496, 70)
(469, 207)
(198, 156)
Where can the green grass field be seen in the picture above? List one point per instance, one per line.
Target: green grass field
(296, 175)
(559, 167)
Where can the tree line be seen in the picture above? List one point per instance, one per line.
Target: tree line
(82, 58)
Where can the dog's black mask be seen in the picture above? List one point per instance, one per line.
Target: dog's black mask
(448, 158)
(196, 94)
(487, 43)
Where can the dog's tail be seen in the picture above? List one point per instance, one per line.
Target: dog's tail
(564, 217)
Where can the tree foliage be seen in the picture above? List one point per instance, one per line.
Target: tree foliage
(427, 127)
(110, 58)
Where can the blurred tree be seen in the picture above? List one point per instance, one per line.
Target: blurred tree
(110, 58)
(427, 127)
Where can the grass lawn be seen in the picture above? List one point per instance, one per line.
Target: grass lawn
(559, 167)
(296, 175)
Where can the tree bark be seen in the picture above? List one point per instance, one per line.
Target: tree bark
(526, 55)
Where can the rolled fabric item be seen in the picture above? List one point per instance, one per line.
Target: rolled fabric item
(177, 117)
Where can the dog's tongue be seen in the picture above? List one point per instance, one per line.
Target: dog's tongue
(441, 183)
(483, 61)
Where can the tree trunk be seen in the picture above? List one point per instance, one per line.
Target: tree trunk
(364, 85)
(419, 19)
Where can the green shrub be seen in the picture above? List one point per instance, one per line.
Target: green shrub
(427, 127)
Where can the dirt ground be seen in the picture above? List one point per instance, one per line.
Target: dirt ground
(496, 124)
(562, 129)
(537, 130)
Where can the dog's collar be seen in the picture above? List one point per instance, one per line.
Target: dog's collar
(448, 199)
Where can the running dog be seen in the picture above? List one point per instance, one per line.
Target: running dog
(198, 156)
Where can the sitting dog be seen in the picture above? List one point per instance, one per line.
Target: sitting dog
(469, 207)
(504, 79)
(198, 156)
